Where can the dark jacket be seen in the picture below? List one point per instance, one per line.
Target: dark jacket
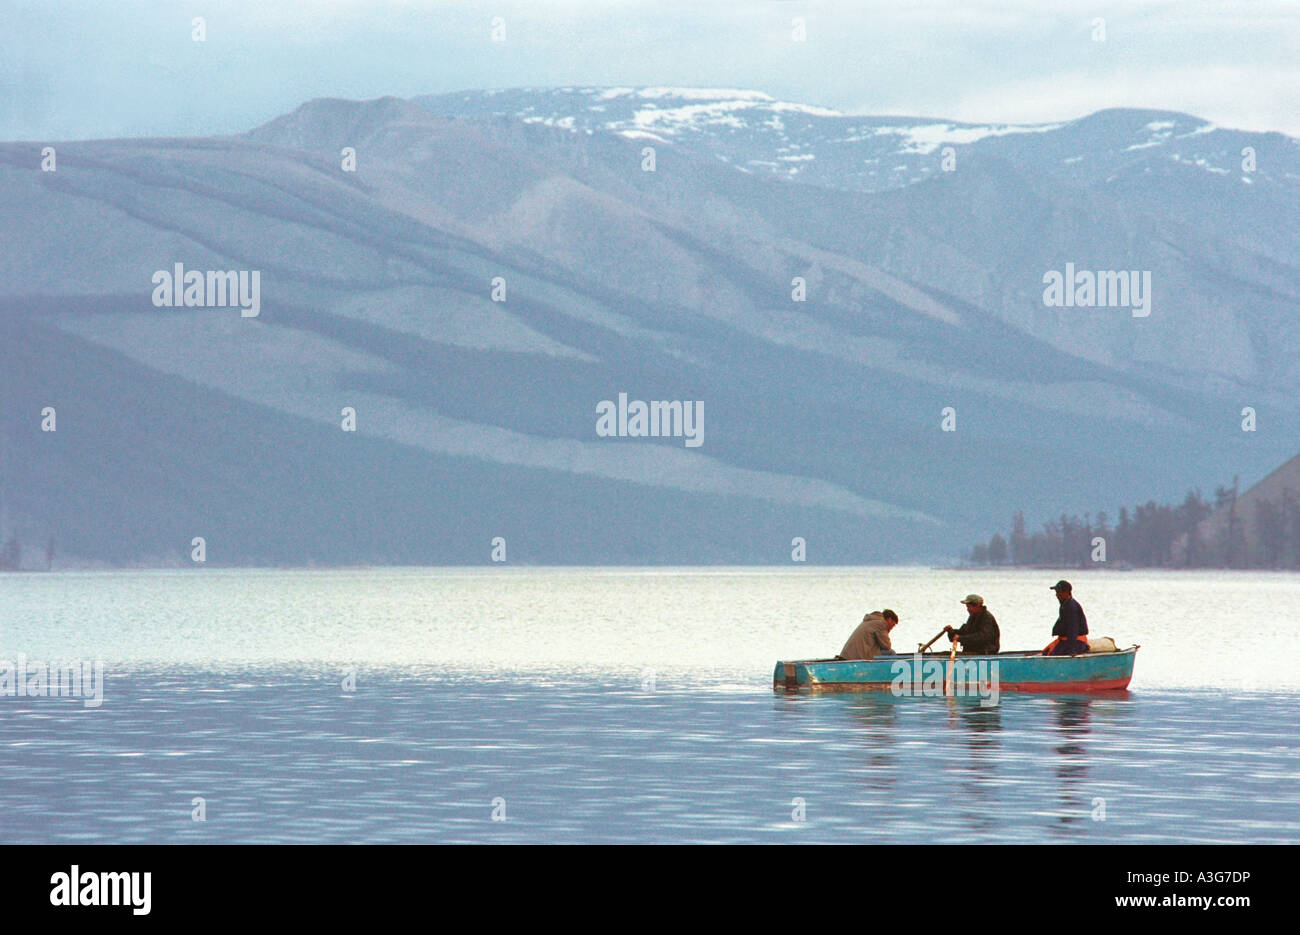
(869, 640)
(980, 634)
(1071, 623)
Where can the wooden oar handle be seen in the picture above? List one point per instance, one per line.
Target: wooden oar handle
(922, 649)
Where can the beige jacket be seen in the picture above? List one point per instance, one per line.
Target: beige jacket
(869, 640)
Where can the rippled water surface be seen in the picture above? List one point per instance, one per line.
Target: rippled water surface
(624, 706)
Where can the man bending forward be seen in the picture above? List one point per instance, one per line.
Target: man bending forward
(871, 638)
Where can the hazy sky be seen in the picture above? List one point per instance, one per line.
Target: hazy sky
(74, 69)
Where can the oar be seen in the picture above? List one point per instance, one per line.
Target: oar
(952, 658)
(921, 649)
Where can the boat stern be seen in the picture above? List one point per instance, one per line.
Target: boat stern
(788, 676)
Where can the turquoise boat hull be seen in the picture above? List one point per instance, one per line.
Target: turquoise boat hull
(934, 673)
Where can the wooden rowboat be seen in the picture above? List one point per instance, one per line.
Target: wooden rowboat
(936, 673)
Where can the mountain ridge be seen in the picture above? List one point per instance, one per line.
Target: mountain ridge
(672, 284)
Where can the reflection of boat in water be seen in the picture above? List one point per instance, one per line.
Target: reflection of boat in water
(937, 674)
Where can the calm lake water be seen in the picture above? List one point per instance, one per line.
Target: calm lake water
(632, 705)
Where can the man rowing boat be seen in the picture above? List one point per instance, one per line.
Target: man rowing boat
(979, 635)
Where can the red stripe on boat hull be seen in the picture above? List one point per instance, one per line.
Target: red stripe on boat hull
(1105, 685)
(1042, 688)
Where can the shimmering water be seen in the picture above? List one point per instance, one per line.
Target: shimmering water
(631, 705)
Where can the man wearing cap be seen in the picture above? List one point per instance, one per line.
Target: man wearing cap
(871, 638)
(979, 635)
(1071, 629)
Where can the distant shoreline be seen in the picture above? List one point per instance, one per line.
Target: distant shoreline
(1051, 570)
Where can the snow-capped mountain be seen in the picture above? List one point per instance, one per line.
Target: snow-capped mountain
(825, 320)
(757, 133)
